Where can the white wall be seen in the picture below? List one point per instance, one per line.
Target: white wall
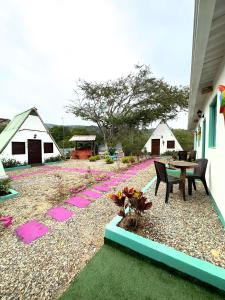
(30, 127)
(216, 166)
(163, 133)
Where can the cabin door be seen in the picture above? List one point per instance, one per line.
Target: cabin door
(155, 146)
(34, 152)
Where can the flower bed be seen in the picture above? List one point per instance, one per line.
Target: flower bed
(161, 250)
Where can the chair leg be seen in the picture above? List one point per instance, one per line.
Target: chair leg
(184, 191)
(189, 186)
(171, 189)
(168, 188)
(194, 185)
(157, 186)
(205, 186)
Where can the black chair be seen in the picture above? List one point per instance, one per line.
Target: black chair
(162, 176)
(192, 155)
(199, 173)
(182, 155)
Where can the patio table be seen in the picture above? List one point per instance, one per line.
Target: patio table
(182, 165)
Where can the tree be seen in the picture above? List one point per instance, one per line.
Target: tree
(135, 100)
(185, 138)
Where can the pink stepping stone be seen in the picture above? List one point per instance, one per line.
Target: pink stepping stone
(60, 213)
(78, 201)
(101, 188)
(31, 231)
(110, 183)
(92, 194)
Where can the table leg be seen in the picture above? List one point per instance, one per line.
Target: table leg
(182, 181)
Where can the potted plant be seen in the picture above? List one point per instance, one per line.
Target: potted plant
(132, 201)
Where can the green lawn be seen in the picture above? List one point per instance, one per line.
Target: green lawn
(117, 274)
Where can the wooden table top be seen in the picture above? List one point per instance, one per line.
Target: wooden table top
(182, 164)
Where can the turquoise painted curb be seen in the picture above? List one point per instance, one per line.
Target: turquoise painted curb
(10, 196)
(220, 216)
(149, 184)
(197, 268)
(17, 168)
(54, 162)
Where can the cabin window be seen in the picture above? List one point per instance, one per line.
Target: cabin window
(170, 144)
(18, 148)
(48, 147)
(212, 123)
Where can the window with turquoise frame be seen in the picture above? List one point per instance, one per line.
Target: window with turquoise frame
(212, 123)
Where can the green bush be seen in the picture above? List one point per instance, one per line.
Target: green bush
(109, 160)
(10, 163)
(128, 159)
(53, 158)
(5, 185)
(94, 158)
(169, 153)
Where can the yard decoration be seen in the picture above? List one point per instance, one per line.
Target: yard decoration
(222, 100)
(136, 203)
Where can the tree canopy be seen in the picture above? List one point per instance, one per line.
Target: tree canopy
(135, 100)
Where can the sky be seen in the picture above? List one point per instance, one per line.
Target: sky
(47, 45)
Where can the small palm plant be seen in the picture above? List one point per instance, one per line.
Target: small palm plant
(136, 203)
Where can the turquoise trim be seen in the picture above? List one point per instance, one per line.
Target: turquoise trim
(18, 168)
(53, 162)
(212, 123)
(220, 216)
(203, 137)
(12, 194)
(197, 268)
(149, 184)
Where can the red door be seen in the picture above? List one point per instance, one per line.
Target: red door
(34, 152)
(155, 146)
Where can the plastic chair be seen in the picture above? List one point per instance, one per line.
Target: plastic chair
(199, 173)
(162, 176)
(192, 155)
(182, 155)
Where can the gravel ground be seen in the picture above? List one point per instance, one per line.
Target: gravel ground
(190, 226)
(44, 269)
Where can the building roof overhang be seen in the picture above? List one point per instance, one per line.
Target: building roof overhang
(207, 52)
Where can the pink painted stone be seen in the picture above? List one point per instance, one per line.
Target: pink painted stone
(110, 183)
(60, 213)
(92, 194)
(31, 231)
(101, 188)
(78, 201)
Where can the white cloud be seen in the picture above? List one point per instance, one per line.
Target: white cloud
(49, 44)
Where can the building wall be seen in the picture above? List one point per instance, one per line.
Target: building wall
(32, 126)
(163, 133)
(215, 174)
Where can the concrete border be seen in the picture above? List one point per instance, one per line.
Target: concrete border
(17, 168)
(197, 268)
(12, 194)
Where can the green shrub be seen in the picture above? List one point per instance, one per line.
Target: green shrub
(94, 157)
(169, 153)
(109, 160)
(5, 185)
(53, 158)
(128, 159)
(10, 163)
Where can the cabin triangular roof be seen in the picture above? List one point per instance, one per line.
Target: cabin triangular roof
(14, 125)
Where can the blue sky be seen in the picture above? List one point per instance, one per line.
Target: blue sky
(47, 45)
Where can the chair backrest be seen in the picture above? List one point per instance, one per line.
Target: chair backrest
(201, 168)
(182, 155)
(192, 155)
(161, 171)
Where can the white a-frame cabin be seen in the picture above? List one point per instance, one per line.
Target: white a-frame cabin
(27, 139)
(162, 140)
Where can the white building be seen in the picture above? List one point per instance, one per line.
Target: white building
(162, 140)
(207, 73)
(26, 139)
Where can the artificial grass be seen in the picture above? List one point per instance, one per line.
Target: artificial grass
(115, 274)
